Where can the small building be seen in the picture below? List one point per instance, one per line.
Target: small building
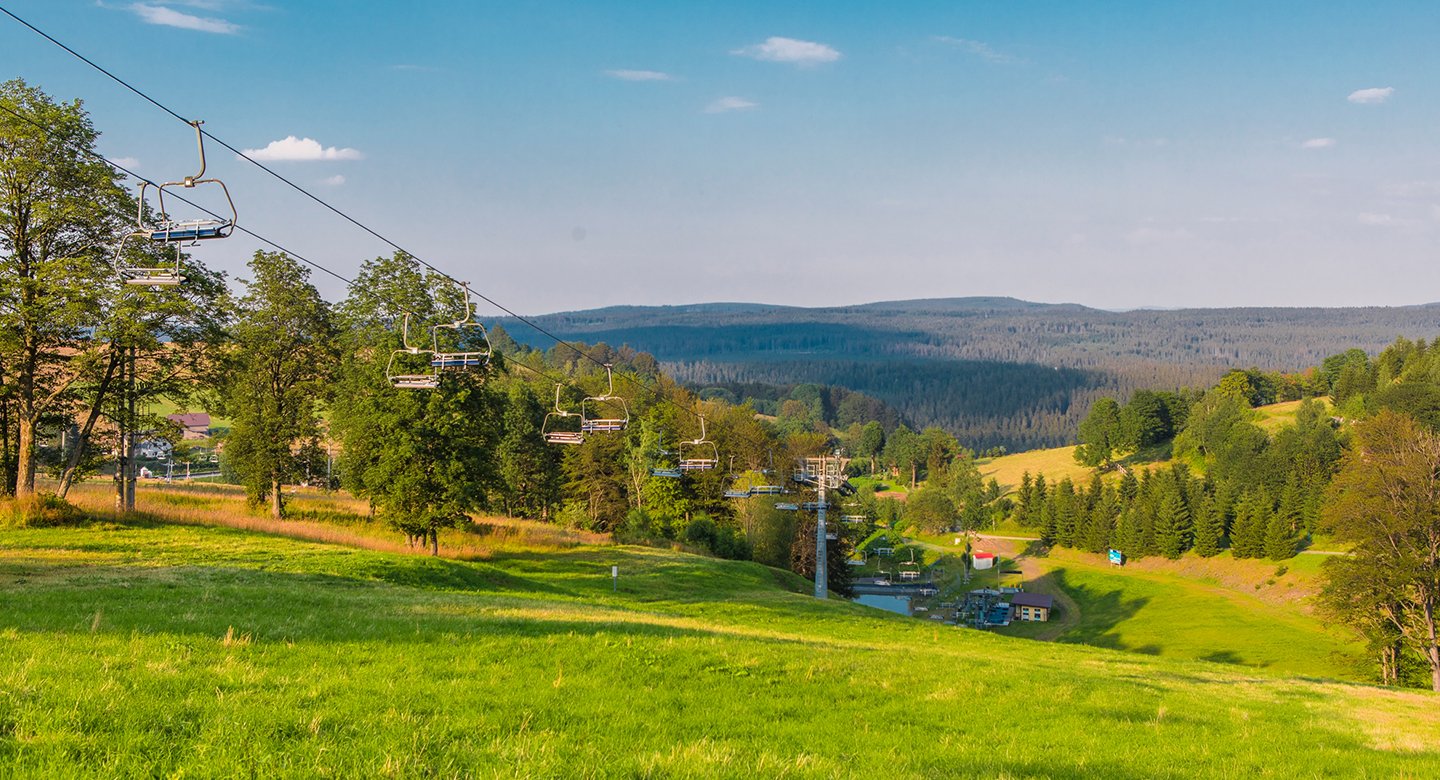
(984, 560)
(196, 425)
(1032, 606)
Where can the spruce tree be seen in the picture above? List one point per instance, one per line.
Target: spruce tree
(1100, 526)
(1280, 541)
(1067, 514)
(1209, 528)
(1047, 520)
(1251, 525)
(1129, 536)
(1240, 528)
(1172, 526)
(1022, 510)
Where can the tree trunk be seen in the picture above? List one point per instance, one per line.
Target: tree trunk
(435, 541)
(1432, 652)
(277, 507)
(83, 439)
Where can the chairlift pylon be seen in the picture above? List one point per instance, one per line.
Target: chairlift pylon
(605, 424)
(557, 436)
(462, 359)
(428, 381)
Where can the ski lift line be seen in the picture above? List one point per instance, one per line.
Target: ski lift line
(331, 208)
(262, 239)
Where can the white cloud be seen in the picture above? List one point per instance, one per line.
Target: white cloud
(981, 50)
(127, 162)
(1375, 95)
(333, 181)
(1318, 143)
(159, 14)
(1380, 220)
(730, 104)
(639, 75)
(292, 148)
(778, 49)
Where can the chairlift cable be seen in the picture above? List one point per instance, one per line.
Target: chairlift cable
(655, 394)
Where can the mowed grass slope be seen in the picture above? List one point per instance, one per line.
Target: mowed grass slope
(135, 649)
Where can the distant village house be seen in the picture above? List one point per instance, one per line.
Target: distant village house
(196, 425)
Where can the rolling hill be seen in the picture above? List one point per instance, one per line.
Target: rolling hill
(993, 371)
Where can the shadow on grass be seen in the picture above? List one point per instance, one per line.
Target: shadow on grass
(203, 603)
(1101, 613)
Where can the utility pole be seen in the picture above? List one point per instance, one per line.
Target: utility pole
(821, 579)
(120, 442)
(131, 471)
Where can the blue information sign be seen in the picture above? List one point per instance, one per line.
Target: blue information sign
(1117, 557)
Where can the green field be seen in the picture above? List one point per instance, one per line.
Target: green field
(1158, 615)
(149, 649)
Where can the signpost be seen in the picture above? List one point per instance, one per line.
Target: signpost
(615, 579)
(1117, 558)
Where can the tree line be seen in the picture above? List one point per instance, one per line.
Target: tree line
(1363, 469)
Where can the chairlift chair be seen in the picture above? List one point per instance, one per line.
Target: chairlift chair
(409, 381)
(168, 230)
(789, 507)
(694, 463)
(605, 424)
(162, 276)
(176, 231)
(557, 435)
(463, 359)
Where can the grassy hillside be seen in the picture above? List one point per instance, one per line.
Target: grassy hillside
(143, 648)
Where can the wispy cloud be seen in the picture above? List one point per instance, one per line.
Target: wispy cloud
(1378, 220)
(1147, 235)
(981, 50)
(292, 148)
(333, 181)
(159, 14)
(727, 104)
(127, 162)
(778, 49)
(1318, 143)
(1375, 95)
(640, 75)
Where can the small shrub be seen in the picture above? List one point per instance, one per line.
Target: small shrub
(40, 511)
(1280, 571)
(701, 531)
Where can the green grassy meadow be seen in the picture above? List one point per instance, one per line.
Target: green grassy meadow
(145, 648)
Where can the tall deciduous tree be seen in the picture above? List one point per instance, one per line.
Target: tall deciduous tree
(424, 459)
(872, 442)
(1386, 503)
(59, 209)
(277, 375)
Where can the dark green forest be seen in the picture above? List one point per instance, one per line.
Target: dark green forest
(992, 371)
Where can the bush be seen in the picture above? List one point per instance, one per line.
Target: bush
(637, 527)
(40, 511)
(701, 531)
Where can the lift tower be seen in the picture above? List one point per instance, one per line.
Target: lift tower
(825, 473)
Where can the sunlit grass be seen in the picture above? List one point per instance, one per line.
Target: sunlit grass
(178, 645)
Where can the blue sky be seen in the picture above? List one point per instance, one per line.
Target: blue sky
(575, 155)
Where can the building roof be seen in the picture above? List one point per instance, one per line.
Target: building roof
(191, 420)
(984, 555)
(1042, 600)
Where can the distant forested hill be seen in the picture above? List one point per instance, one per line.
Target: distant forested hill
(984, 368)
